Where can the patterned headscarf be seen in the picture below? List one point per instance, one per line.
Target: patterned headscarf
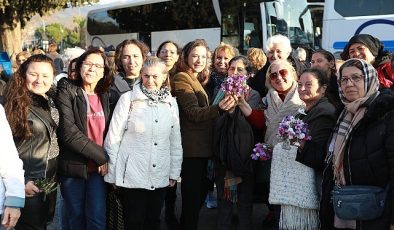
(354, 111)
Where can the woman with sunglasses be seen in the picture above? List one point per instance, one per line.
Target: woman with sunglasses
(361, 148)
(282, 99)
(84, 119)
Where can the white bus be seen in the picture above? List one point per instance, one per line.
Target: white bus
(241, 23)
(344, 19)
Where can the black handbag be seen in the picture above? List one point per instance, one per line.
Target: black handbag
(359, 202)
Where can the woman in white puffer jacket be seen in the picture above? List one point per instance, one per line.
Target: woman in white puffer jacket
(12, 186)
(144, 146)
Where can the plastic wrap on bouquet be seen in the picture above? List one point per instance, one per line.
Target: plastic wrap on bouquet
(293, 186)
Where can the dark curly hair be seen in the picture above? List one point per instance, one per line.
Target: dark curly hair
(18, 100)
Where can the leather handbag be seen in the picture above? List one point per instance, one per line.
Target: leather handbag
(359, 202)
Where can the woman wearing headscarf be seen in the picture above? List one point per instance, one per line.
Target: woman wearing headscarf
(361, 149)
(370, 49)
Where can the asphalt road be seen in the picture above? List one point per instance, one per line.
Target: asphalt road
(208, 217)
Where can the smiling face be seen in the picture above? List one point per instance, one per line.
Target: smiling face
(360, 51)
(277, 52)
(352, 83)
(153, 77)
(221, 61)
(92, 69)
(280, 77)
(197, 59)
(319, 61)
(169, 54)
(39, 77)
(309, 89)
(132, 60)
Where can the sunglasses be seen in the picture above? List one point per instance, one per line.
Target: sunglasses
(275, 75)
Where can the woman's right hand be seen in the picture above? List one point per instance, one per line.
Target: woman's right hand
(10, 217)
(31, 189)
(228, 102)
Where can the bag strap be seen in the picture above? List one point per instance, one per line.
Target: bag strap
(128, 116)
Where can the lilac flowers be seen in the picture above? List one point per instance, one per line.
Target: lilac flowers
(294, 130)
(235, 85)
(261, 152)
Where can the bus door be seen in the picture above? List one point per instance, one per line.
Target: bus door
(146, 38)
(251, 26)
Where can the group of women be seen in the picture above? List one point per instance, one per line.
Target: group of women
(162, 118)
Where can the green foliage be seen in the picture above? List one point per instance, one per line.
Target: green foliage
(14, 11)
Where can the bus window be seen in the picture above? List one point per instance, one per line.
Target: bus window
(290, 18)
(353, 8)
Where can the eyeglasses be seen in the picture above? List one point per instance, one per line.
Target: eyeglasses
(170, 52)
(88, 64)
(275, 75)
(354, 78)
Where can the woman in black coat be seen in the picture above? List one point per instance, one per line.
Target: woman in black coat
(361, 148)
(84, 118)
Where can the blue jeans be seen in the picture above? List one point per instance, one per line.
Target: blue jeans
(85, 201)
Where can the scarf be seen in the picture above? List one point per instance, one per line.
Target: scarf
(155, 95)
(276, 110)
(352, 114)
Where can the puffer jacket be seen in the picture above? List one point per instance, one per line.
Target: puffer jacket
(149, 152)
(76, 149)
(12, 186)
(368, 160)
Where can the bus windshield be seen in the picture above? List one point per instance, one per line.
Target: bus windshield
(291, 18)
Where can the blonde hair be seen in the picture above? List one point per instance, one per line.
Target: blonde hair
(289, 67)
(227, 48)
(257, 58)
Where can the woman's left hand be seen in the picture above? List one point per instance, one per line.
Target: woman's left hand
(172, 183)
(391, 226)
(103, 169)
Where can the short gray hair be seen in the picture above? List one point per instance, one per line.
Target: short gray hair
(278, 39)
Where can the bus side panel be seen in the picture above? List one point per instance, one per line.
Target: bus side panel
(337, 33)
(108, 40)
(181, 37)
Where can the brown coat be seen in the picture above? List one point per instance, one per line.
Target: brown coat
(196, 115)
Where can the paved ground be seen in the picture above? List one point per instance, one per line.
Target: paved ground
(207, 217)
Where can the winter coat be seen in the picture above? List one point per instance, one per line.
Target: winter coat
(12, 186)
(33, 151)
(196, 116)
(321, 119)
(118, 88)
(368, 160)
(148, 153)
(76, 149)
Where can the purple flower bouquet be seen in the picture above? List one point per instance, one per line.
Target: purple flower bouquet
(262, 152)
(292, 130)
(235, 85)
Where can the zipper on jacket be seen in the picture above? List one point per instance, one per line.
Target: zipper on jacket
(125, 167)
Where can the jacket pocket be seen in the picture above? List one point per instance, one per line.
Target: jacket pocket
(73, 169)
(125, 168)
